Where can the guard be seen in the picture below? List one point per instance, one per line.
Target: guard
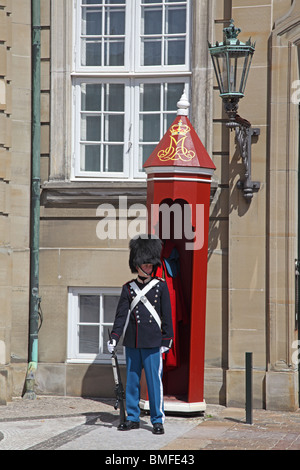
(144, 318)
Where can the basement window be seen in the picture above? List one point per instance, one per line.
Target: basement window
(91, 313)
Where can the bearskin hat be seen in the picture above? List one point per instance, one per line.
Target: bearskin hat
(144, 249)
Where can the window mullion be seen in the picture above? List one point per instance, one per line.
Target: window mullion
(129, 129)
(135, 16)
(136, 126)
(102, 129)
(163, 36)
(103, 36)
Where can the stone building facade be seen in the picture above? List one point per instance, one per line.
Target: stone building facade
(252, 288)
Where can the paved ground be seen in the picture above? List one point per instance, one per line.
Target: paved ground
(59, 423)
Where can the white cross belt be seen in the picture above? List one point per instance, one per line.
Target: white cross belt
(141, 296)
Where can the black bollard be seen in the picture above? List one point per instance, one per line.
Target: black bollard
(249, 399)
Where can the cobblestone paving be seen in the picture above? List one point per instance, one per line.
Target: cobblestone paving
(228, 431)
(58, 423)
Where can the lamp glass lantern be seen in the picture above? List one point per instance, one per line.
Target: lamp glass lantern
(232, 60)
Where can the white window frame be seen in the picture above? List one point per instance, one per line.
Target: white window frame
(132, 61)
(73, 355)
(163, 68)
(132, 74)
(77, 48)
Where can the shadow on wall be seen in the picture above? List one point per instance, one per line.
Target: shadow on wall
(98, 381)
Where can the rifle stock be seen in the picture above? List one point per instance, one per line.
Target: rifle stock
(119, 389)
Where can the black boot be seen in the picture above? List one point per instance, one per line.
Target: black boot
(158, 428)
(128, 425)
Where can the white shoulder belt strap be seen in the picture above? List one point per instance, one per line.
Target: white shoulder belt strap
(141, 296)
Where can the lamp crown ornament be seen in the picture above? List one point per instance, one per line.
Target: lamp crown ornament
(231, 31)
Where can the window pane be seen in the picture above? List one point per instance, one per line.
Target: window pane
(114, 52)
(90, 158)
(145, 152)
(91, 24)
(113, 158)
(175, 50)
(152, 52)
(150, 128)
(89, 308)
(152, 21)
(90, 128)
(119, 349)
(150, 97)
(172, 95)
(110, 303)
(114, 128)
(88, 339)
(114, 97)
(91, 52)
(176, 20)
(115, 21)
(168, 121)
(90, 97)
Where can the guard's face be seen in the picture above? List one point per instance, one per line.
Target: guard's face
(145, 269)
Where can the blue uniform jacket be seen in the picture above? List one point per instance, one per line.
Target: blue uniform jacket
(142, 330)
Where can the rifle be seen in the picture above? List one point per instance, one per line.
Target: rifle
(119, 390)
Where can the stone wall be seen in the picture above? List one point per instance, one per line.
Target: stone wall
(15, 149)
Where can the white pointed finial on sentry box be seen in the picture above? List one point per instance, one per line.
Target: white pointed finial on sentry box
(183, 105)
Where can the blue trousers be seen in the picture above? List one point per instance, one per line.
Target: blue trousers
(151, 360)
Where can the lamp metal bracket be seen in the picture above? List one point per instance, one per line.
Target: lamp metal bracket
(244, 133)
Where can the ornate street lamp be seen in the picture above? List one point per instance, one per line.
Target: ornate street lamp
(232, 60)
